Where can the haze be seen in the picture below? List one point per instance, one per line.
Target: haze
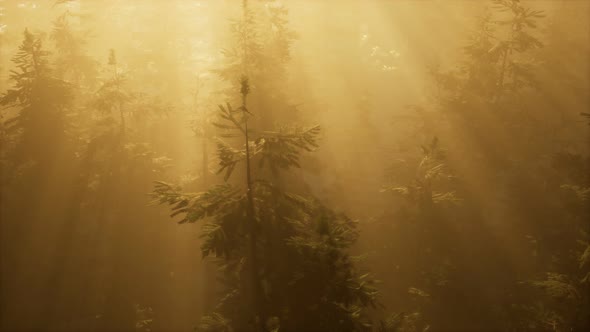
(266, 165)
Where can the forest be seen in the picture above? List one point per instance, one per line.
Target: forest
(294, 166)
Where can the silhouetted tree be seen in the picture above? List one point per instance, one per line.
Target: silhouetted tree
(281, 253)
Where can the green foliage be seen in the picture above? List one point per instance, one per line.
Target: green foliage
(563, 298)
(31, 79)
(110, 96)
(431, 173)
(403, 322)
(39, 100)
(260, 50)
(299, 246)
(281, 149)
(557, 286)
(217, 200)
(214, 323)
(72, 62)
(489, 234)
(498, 65)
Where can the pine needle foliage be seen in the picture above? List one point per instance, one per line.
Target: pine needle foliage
(431, 174)
(37, 102)
(305, 279)
(72, 63)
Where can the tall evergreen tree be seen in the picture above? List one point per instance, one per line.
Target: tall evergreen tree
(37, 138)
(282, 254)
(39, 101)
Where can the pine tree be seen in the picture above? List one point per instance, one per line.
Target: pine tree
(498, 99)
(39, 137)
(261, 50)
(117, 160)
(282, 255)
(424, 209)
(72, 63)
(39, 101)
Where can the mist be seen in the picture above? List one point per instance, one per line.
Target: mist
(270, 166)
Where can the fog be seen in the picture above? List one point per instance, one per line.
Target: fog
(266, 165)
